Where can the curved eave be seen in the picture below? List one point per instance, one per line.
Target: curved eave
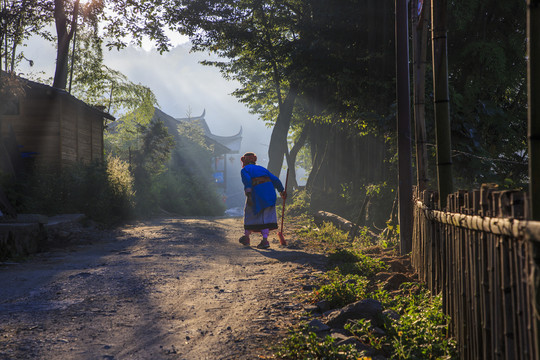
(231, 137)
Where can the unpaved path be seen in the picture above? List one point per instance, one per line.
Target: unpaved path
(169, 288)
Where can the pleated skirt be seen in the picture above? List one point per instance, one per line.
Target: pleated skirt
(265, 219)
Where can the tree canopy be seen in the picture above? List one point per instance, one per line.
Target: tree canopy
(328, 68)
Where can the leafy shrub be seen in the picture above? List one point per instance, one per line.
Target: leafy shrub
(305, 345)
(102, 191)
(420, 332)
(340, 289)
(390, 235)
(300, 203)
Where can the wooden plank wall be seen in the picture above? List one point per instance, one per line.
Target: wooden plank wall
(69, 153)
(58, 128)
(37, 127)
(483, 265)
(97, 139)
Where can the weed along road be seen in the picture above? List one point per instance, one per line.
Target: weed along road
(169, 288)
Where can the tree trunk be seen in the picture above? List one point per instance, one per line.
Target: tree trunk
(291, 157)
(64, 37)
(278, 140)
(319, 147)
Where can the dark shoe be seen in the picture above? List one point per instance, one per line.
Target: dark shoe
(244, 240)
(264, 244)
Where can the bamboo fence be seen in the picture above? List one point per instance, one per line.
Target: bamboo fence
(480, 254)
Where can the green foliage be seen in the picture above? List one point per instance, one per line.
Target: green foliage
(99, 85)
(19, 21)
(148, 162)
(124, 135)
(300, 203)
(390, 235)
(172, 171)
(316, 53)
(305, 345)
(488, 91)
(351, 261)
(103, 192)
(340, 289)
(121, 183)
(420, 332)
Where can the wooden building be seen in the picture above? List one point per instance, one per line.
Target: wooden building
(53, 128)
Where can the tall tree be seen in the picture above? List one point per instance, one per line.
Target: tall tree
(65, 31)
(257, 39)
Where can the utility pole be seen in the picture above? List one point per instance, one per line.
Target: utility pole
(533, 87)
(420, 11)
(404, 127)
(441, 99)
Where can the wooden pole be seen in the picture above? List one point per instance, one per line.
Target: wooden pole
(420, 17)
(404, 127)
(533, 67)
(441, 99)
(533, 73)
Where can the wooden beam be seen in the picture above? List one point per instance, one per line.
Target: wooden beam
(498, 226)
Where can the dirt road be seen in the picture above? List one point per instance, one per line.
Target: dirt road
(164, 289)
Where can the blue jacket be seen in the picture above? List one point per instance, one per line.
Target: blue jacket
(262, 184)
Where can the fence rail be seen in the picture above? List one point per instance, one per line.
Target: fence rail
(480, 255)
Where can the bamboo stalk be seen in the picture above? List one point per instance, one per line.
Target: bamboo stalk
(484, 292)
(533, 87)
(420, 31)
(404, 127)
(508, 305)
(441, 99)
(521, 271)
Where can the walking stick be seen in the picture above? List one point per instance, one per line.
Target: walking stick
(282, 240)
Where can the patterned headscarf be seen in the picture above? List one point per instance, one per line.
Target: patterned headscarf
(248, 158)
